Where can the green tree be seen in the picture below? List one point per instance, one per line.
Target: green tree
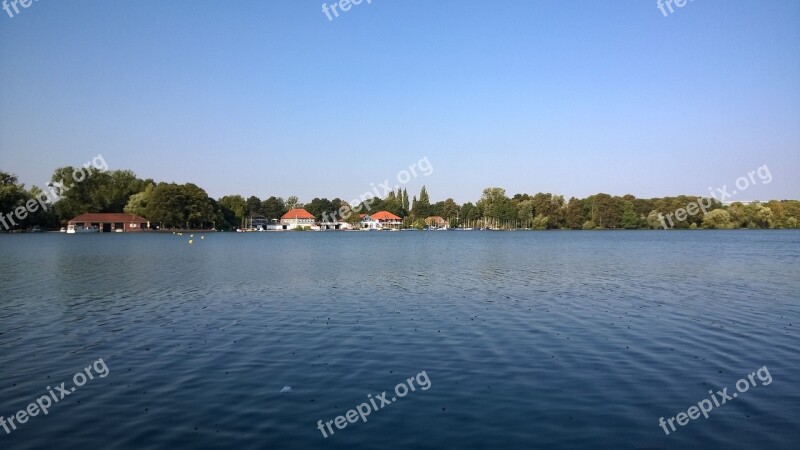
(574, 215)
(422, 206)
(108, 190)
(320, 206)
(394, 203)
(274, 208)
(606, 210)
(630, 220)
(177, 206)
(653, 220)
(252, 207)
(496, 206)
(786, 213)
(758, 216)
(738, 215)
(447, 209)
(82, 190)
(469, 213)
(542, 204)
(370, 206)
(558, 212)
(293, 202)
(116, 188)
(12, 196)
(42, 216)
(406, 203)
(540, 222)
(525, 212)
(234, 210)
(717, 219)
(336, 205)
(351, 216)
(137, 203)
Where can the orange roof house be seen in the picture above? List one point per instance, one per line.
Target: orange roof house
(109, 222)
(385, 216)
(381, 220)
(297, 217)
(298, 213)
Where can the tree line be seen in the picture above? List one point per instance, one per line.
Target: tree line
(188, 206)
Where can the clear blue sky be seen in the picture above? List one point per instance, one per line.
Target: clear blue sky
(270, 98)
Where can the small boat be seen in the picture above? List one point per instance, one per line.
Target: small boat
(72, 229)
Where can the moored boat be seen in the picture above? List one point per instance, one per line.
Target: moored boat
(72, 229)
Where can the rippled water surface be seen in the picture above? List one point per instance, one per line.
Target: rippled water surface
(529, 339)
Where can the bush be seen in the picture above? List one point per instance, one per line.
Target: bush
(718, 219)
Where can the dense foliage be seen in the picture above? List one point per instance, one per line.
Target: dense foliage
(171, 205)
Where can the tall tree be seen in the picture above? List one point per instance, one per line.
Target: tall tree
(274, 208)
(370, 206)
(496, 206)
(525, 212)
(293, 202)
(253, 206)
(176, 206)
(469, 213)
(393, 203)
(630, 220)
(118, 189)
(558, 212)
(606, 211)
(448, 209)
(12, 196)
(422, 205)
(320, 206)
(575, 217)
(137, 203)
(12, 193)
(234, 209)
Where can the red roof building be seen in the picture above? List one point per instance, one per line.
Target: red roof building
(381, 220)
(385, 216)
(296, 218)
(110, 222)
(298, 213)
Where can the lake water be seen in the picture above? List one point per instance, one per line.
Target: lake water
(529, 339)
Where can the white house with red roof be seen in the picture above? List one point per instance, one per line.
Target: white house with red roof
(297, 218)
(381, 220)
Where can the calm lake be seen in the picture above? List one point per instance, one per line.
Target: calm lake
(529, 339)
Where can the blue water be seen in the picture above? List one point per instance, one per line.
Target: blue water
(529, 339)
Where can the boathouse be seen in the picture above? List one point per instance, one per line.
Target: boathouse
(111, 222)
